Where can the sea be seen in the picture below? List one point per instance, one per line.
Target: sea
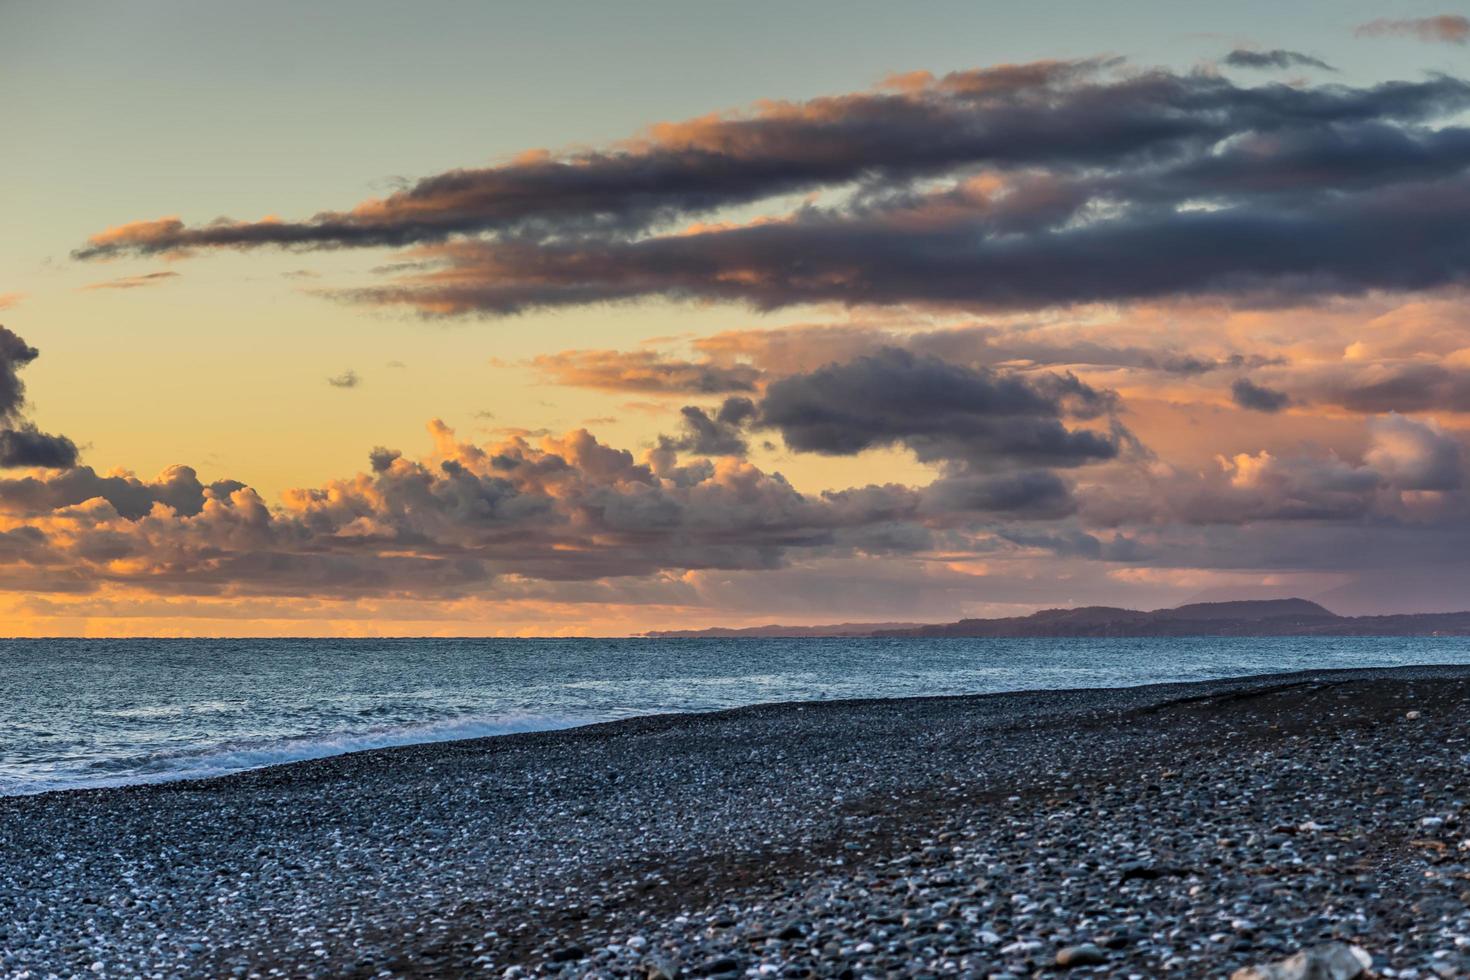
(78, 713)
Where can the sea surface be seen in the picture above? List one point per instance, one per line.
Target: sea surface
(78, 713)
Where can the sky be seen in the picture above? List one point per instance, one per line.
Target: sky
(463, 318)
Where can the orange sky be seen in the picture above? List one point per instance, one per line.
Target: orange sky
(1031, 331)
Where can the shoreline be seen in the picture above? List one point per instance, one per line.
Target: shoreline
(1203, 686)
(874, 835)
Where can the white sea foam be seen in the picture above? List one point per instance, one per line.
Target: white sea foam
(241, 755)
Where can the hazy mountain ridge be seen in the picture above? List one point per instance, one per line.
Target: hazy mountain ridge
(1266, 617)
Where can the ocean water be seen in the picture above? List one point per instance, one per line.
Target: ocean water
(78, 713)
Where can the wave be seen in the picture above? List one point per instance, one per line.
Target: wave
(240, 755)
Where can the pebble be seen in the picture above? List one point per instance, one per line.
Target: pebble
(1192, 830)
(1084, 955)
(1335, 961)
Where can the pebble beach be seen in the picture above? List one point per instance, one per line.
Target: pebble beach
(1188, 829)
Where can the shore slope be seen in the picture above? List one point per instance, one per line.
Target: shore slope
(1181, 828)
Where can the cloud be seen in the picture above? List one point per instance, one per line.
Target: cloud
(178, 488)
(572, 520)
(25, 445)
(940, 411)
(803, 347)
(1258, 398)
(133, 282)
(1448, 28)
(949, 252)
(347, 379)
(1410, 474)
(1277, 58)
(643, 371)
(1067, 117)
(1033, 493)
(467, 520)
(718, 434)
(1387, 386)
(8, 300)
(1054, 271)
(484, 520)
(1415, 455)
(21, 443)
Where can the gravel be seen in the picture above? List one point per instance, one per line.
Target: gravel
(1175, 829)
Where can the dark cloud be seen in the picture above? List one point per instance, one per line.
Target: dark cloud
(21, 443)
(1415, 387)
(27, 446)
(1063, 116)
(1074, 543)
(15, 354)
(1277, 58)
(720, 434)
(1258, 398)
(1448, 28)
(1410, 236)
(1301, 163)
(347, 379)
(381, 459)
(941, 411)
(1191, 364)
(1032, 493)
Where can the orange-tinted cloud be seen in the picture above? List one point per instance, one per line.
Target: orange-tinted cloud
(643, 371)
(133, 282)
(1447, 28)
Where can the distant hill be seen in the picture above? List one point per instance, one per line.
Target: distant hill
(1248, 609)
(1252, 617)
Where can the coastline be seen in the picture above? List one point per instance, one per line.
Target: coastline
(551, 851)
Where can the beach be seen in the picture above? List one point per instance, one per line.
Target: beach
(1189, 829)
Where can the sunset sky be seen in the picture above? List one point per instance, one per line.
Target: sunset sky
(466, 318)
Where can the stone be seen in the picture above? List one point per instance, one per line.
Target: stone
(1084, 955)
(1335, 961)
(1140, 871)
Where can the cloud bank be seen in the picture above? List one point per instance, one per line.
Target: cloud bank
(1069, 292)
